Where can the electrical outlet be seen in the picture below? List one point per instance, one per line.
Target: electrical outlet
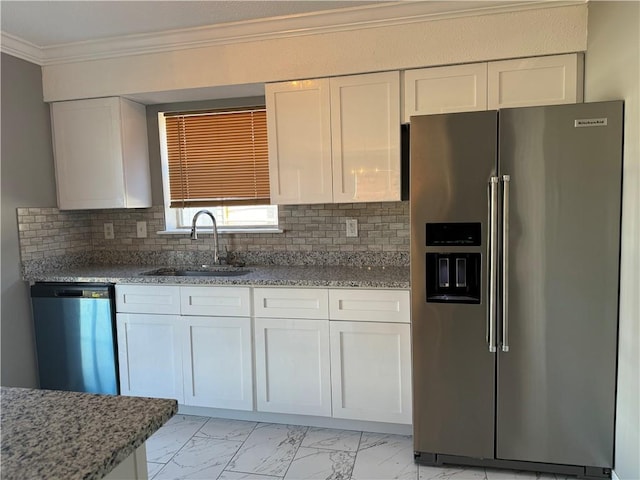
(141, 229)
(108, 231)
(352, 227)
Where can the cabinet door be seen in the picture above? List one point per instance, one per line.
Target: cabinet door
(299, 131)
(365, 137)
(292, 366)
(162, 299)
(150, 355)
(88, 153)
(535, 81)
(369, 305)
(458, 88)
(217, 362)
(371, 371)
(216, 301)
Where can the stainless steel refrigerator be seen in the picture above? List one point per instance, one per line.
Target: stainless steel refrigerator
(515, 234)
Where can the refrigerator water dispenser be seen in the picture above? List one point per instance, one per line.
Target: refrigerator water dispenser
(453, 277)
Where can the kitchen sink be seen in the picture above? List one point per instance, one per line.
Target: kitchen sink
(198, 272)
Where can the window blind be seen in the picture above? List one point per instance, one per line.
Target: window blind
(218, 158)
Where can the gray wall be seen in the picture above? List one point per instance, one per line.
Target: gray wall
(612, 71)
(28, 179)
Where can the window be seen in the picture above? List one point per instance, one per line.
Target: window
(217, 160)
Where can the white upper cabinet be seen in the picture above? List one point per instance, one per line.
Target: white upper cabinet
(365, 137)
(536, 81)
(101, 154)
(458, 88)
(334, 140)
(299, 131)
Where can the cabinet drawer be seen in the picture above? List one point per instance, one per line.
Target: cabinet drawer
(369, 305)
(148, 299)
(290, 302)
(218, 301)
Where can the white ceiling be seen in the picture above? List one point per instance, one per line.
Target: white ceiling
(51, 23)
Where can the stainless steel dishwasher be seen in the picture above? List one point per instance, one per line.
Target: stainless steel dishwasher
(76, 336)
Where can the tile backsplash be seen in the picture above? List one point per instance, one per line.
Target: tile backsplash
(312, 234)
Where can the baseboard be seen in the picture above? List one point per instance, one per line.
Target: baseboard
(306, 420)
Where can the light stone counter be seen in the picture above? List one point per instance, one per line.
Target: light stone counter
(302, 276)
(71, 435)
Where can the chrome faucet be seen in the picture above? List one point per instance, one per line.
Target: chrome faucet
(194, 233)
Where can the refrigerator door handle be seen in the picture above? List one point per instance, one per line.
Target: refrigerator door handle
(492, 255)
(505, 262)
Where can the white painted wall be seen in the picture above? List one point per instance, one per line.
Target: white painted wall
(541, 31)
(612, 71)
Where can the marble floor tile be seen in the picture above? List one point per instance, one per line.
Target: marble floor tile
(170, 438)
(451, 473)
(385, 457)
(345, 440)
(495, 474)
(245, 476)
(201, 458)
(153, 468)
(321, 464)
(225, 429)
(268, 450)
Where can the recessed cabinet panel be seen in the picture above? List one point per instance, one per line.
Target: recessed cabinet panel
(292, 366)
(299, 130)
(161, 299)
(291, 302)
(217, 366)
(150, 355)
(365, 137)
(457, 88)
(535, 81)
(371, 371)
(218, 301)
(369, 305)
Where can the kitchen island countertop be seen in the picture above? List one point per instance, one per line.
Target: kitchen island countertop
(259, 275)
(71, 435)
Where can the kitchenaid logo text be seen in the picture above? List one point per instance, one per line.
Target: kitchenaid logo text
(591, 122)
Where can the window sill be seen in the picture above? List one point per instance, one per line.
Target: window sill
(209, 231)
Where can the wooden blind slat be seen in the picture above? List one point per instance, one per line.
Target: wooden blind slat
(218, 158)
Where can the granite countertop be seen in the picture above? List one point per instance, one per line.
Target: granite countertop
(71, 435)
(302, 276)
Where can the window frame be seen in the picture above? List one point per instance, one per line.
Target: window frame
(171, 215)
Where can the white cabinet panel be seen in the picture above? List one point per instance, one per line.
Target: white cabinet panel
(535, 81)
(456, 88)
(218, 301)
(299, 131)
(150, 355)
(291, 302)
(369, 305)
(365, 137)
(161, 299)
(217, 362)
(371, 371)
(292, 366)
(101, 154)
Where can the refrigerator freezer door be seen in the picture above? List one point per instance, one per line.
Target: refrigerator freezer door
(452, 158)
(556, 384)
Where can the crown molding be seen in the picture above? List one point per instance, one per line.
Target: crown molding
(338, 20)
(20, 48)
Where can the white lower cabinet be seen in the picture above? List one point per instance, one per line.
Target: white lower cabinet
(371, 371)
(292, 366)
(217, 362)
(150, 355)
(310, 351)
